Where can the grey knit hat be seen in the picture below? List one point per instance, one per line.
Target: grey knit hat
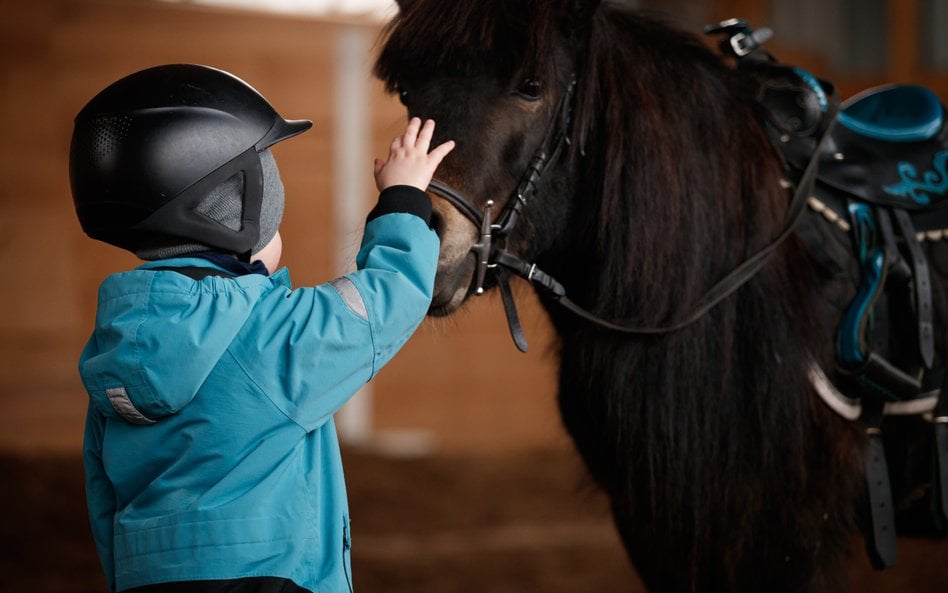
(224, 205)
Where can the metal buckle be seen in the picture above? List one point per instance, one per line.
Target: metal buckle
(482, 249)
(742, 44)
(741, 40)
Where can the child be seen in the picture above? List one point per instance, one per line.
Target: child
(211, 458)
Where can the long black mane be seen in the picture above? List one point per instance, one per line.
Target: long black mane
(688, 186)
(673, 183)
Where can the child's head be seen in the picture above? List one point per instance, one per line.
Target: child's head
(174, 160)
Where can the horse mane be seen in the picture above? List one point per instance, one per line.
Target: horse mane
(687, 186)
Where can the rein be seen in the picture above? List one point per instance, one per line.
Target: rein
(492, 254)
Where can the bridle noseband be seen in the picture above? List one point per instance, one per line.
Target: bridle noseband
(554, 141)
(492, 255)
(491, 249)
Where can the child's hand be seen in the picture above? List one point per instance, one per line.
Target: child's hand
(409, 162)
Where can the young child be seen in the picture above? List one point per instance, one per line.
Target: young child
(211, 458)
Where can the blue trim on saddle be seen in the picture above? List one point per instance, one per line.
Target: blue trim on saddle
(907, 113)
(849, 344)
(918, 187)
(849, 340)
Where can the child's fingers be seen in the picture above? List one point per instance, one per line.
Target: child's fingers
(424, 135)
(379, 163)
(411, 133)
(440, 151)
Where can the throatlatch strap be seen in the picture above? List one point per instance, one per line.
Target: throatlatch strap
(881, 542)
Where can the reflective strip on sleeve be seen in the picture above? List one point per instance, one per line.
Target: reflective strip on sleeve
(350, 295)
(124, 406)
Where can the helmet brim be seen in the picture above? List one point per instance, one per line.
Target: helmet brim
(281, 130)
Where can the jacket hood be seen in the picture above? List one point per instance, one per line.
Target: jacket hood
(157, 337)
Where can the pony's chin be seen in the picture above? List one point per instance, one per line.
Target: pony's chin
(452, 287)
(447, 302)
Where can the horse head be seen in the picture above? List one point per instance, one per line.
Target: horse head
(489, 83)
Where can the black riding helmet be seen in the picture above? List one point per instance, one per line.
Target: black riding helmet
(150, 147)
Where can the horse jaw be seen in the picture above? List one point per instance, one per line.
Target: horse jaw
(456, 263)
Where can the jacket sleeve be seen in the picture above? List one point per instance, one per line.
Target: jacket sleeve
(100, 496)
(312, 348)
(396, 268)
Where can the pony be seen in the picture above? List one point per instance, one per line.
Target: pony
(656, 178)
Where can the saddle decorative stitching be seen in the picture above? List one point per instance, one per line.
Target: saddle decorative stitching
(918, 189)
(830, 215)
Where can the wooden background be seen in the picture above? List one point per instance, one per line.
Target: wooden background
(459, 383)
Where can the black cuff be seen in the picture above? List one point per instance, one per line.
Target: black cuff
(402, 198)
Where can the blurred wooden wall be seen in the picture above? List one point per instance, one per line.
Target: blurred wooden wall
(459, 382)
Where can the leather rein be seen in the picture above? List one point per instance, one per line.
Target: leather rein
(492, 254)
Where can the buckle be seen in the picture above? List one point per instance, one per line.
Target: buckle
(740, 39)
(742, 45)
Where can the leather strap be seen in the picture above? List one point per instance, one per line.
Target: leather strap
(881, 542)
(717, 293)
(880, 377)
(923, 290)
(510, 309)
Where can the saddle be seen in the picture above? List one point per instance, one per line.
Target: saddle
(882, 180)
(884, 169)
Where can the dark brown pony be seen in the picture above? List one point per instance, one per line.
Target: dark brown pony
(725, 471)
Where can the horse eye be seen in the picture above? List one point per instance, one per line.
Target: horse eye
(530, 89)
(402, 95)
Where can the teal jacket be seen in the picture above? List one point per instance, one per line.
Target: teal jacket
(210, 450)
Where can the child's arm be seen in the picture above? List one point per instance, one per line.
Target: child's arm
(335, 337)
(399, 256)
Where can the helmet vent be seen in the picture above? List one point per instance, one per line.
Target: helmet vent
(108, 133)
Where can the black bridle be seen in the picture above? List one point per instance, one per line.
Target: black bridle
(551, 147)
(492, 254)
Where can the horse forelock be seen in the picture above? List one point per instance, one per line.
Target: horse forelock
(468, 38)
